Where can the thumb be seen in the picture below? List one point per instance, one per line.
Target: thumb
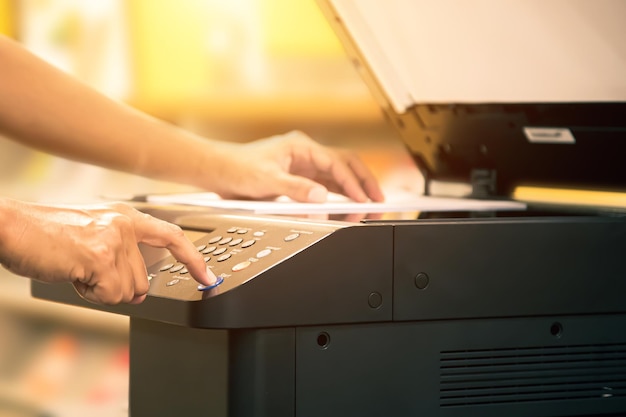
(301, 189)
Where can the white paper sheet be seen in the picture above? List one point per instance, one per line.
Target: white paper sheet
(396, 202)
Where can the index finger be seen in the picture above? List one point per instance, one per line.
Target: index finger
(347, 174)
(365, 176)
(161, 234)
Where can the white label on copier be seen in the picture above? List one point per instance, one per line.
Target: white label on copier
(549, 135)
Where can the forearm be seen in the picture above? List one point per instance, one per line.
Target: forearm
(51, 111)
(9, 211)
(45, 108)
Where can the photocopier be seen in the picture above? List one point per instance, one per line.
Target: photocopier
(505, 313)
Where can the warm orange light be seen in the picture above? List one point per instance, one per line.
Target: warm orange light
(587, 198)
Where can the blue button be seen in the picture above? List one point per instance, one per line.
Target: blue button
(220, 279)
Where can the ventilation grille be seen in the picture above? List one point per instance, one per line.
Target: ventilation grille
(493, 376)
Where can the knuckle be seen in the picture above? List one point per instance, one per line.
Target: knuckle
(122, 207)
(102, 253)
(114, 299)
(175, 230)
(110, 294)
(299, 137)
(141, 287)
(121, 221)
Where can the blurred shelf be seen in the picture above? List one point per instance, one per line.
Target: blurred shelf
(16, 402)
(15, 298)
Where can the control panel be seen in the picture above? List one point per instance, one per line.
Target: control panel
(237, 249)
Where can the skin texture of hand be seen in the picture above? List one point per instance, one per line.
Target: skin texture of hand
(298, 167)
(94, 248)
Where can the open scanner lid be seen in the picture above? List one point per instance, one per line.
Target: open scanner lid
(498, 93)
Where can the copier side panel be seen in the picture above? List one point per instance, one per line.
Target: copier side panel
(509, 268)
(539, 366)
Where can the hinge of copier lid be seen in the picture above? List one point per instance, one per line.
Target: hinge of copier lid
(483, 182)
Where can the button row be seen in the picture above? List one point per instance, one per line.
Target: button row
(241, 231)
(206, 249)
(173, 268)
(237, 230)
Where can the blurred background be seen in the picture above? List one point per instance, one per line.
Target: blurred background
(235, 70)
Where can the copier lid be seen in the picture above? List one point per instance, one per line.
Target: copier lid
(441, 51)
(498, 93)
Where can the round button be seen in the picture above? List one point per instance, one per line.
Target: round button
(201, 248)
(214, 239)
(176, 268)
(172, 282)
(235, 242)
(166, 267)
(225, 240)
(258, 234)
(219, 251)
(291, 237)
(183, 271)
(207, 258)
(231, 230)
(242, 231)
(263, 253)
(248, 243)
(241, 265)
(209, 250)
(223, 257)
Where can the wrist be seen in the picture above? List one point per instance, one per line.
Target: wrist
(214, 162)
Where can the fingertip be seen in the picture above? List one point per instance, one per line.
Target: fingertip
(367, 191)
(211, 278)
(205, 276)
(376, 194)
(317, 194)
(359, 196)
(371, 190)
